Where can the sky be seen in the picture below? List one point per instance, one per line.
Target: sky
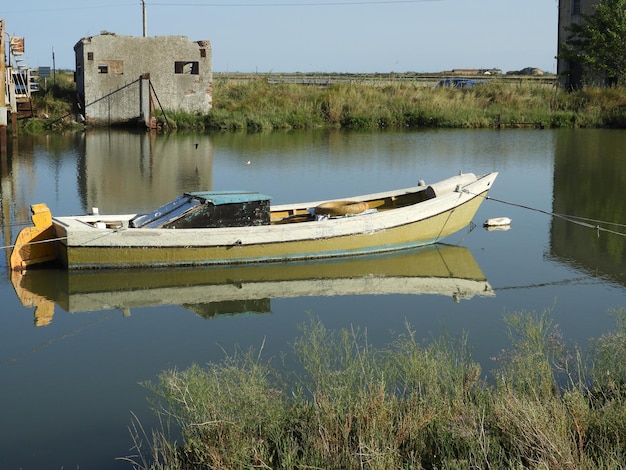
(324, 36)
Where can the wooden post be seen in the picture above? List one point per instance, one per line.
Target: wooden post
(145, 101)
(3, 97)
(3, 147)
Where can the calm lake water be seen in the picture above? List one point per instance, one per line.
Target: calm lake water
(73, 354)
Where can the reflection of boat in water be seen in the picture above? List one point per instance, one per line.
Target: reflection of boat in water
(437, 269)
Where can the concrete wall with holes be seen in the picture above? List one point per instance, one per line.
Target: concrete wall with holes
(571, 75)
(109, 70)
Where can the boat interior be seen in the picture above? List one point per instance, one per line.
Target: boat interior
(232, 209)
(339, 208)
(238, 209)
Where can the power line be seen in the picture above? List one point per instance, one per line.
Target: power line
(293, 4)
(222, 5)
(78, 7)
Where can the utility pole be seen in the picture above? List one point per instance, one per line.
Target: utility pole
(143, 11)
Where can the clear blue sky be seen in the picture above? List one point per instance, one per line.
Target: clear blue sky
(307, 35)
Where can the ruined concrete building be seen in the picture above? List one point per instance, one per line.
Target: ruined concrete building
(121, 79)
(571, 75)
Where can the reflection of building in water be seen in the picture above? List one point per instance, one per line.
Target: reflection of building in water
(589, 181)
(14, 194)
(6, 195)
(128, 172)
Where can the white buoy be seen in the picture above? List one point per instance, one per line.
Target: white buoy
(497, 222)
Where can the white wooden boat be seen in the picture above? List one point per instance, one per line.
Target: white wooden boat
(207, 228)
(437, 269)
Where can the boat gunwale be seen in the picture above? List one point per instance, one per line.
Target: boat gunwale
(342, 227)
(253, 259)
(368, 222)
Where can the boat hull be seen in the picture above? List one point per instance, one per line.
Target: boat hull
(396, 220)
(407, 235)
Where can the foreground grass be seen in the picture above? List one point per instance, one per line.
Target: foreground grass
(258, 105)
(408, 405)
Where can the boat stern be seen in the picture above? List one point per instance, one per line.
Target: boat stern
(35, 245)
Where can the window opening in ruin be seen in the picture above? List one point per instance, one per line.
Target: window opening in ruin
(113, 67)
(191, 68)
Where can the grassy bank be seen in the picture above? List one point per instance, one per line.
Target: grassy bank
(54, 106)
(260, 105)
(411, 404)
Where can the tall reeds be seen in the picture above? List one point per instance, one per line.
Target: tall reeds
(411, 404)
(258, 105)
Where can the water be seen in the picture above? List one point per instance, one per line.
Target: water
(70, 386)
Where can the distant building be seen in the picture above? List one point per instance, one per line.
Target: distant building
(571, 74)
(492, 71)
(119, 79)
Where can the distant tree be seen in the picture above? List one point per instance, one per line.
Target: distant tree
(598, 42)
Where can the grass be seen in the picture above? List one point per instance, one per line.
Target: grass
(410, 404)
(55, 106)
(259, 106)
(256, 105)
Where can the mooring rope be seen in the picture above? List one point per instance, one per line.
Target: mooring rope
(582, 221)
(7, 247)
(18, 224)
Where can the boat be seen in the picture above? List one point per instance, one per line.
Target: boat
(232, 227)
(208, 291)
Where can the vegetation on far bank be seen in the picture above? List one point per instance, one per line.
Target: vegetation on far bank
(258, 105)
(412, 404)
